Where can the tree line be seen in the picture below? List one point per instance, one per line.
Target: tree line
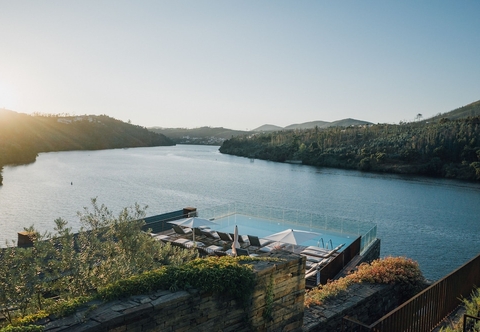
(445, 148)
(23, 136)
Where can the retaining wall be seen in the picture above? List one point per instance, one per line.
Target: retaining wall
(277, 304)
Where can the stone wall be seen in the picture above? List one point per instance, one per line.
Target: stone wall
(365, 303)
(277, 304)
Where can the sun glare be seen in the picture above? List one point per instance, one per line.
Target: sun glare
(7, 96)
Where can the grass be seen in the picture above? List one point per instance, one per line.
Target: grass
(472, 308)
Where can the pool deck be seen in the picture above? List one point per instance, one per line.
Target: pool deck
(209, 243)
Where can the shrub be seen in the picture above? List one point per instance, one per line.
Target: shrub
(107, 248)
(389, 270)
(211, 274)
(29, 328)
(472, 308)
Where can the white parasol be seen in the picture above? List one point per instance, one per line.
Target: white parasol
(292, 236)
(235, 243)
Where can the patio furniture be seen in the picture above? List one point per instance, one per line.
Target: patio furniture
(198, 232)
(210, 234)
(181, 231)
(320, 252)
(188, 243)
(224, 236)
(256, 242)
(162, 237)
(212, 248)
(316, 253)
(244, 252)
(272, 246)
(204, 252)
(220, 253)
(240, 238)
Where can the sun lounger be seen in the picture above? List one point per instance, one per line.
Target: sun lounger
(316, 253)
(162, 237)
(224, 236)
(210, 234)
(181, 240)
(212, 248)
(240, 238)
(272, 246)
(313, 259)
(256, 242)
(188, 243)
(198, 232)
(220, 253)
(181, 231)
(204, 252)
(323, 249)
(320, 252)
(244, 252)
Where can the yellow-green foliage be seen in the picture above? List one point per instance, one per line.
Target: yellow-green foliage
(385, 271)
(29, 328)
(29, 319)
(472, 308)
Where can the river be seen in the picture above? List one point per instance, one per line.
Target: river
(434, 221)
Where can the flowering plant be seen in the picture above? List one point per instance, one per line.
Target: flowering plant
(389, 270)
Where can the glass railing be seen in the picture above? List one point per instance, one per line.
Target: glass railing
(368, 231)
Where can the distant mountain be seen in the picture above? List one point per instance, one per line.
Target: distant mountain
(268, 127)
(310, 125)
(201, 135)
(348, 122)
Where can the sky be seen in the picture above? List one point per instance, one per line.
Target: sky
(239, 64)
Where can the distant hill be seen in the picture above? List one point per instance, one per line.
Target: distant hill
(348, 122)
(472, 110)
(23, 136)
(308, 125)
(313, 124)
(268, 127)
(201, 135)
(217, 135)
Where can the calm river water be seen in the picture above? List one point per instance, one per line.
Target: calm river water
(434, 221)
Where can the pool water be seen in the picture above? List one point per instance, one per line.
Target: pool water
(248, 225)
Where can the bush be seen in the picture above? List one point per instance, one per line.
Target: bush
(107, 248)
(472, 308)
(211, 274)
(389, 270)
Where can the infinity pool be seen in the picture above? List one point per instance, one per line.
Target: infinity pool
(248, 225)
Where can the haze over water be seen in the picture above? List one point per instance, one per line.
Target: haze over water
(433, 221)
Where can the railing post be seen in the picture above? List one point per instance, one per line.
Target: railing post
(465, 316)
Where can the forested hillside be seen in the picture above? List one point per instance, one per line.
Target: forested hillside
(447, 148)
(23, 136)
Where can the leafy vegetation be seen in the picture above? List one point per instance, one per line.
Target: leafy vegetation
(110, 257)
(472, 308)
(447, 148)
(23, 136)
(224, 275)
(71, 267)
(389, 270)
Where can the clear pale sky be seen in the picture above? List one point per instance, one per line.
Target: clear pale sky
(239, 64)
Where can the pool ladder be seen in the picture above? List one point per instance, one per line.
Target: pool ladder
(323, 243)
